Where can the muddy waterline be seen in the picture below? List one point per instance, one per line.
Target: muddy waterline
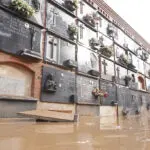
(90, 133)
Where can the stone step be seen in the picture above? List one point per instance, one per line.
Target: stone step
(49, 115)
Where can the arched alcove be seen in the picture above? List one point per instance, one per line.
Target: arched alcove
(141, 83)
(15, 80)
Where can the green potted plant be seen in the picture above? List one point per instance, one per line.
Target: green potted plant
(127, 80)
(94, 43)
(106, 51)
(88, 18)
(123, 60)
(22, 8)
(72, 31)
(144, 56)
(72, 5)
(110, 30)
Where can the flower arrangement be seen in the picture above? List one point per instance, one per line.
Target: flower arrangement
(94, 43)
(72, 30)
(144, 56)
(98, 92)
(110, 30)
(127, 79)
(22, 7)
(72, 5)
(88, 18)
(123, 60)
(106, 51)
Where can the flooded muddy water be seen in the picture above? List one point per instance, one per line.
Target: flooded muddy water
(90, 133)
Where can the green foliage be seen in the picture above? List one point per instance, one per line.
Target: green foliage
(22, 7)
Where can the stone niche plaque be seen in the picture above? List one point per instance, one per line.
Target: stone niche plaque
(111, 90)
(107, 69)
(58, 86)
(120, 74)
(123, 96)
(84, 90)
(60, 51)
(37, 5)
(88, 61)
(18, 36)
(58, 21)
(133, 84)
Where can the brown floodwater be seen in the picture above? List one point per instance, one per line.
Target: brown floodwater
(89, 133)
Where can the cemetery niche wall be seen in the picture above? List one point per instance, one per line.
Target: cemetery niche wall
(88, 61)
(35, 14)
(111, 99)
(58, 86)
(59, 51)
(60, 23)
(85, 87)
(19, 37)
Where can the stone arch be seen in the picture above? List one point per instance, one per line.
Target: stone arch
(141, 83)
(16, 79)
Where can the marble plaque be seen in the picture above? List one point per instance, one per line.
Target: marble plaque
(38, 6)
(107, 69)
(111, 90)
(58, 21)
(12, 86)
(87, 60)
(58, 50)
(84, 90)
(64, 89)
(17, 35)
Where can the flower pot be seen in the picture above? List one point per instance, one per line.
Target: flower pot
(70, 5)
(106, 52)
(89, 20)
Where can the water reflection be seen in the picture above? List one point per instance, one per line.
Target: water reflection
(90, 133)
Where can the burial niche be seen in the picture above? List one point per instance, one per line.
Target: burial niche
(15, 80)
(141, 83)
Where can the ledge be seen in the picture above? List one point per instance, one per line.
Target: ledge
(87, 75)
(89, 104)
(17, 98)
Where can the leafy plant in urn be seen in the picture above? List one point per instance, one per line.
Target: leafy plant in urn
(22, 7)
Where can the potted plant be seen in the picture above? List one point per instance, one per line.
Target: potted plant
(72, 5)
(106, 51)
(110, 30)
(99, 93)
(88, 18)
(22, 7)
(144, 56)
(94, 43)
(127, 79)
(131, 66)
(123, 60)
(72, 31)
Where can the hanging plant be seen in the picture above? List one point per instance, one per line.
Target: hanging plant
(123, 60)
(72, 5)
(22, 7)
(98, 92)
(72, 31)
(88, 18)
(106, 51)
